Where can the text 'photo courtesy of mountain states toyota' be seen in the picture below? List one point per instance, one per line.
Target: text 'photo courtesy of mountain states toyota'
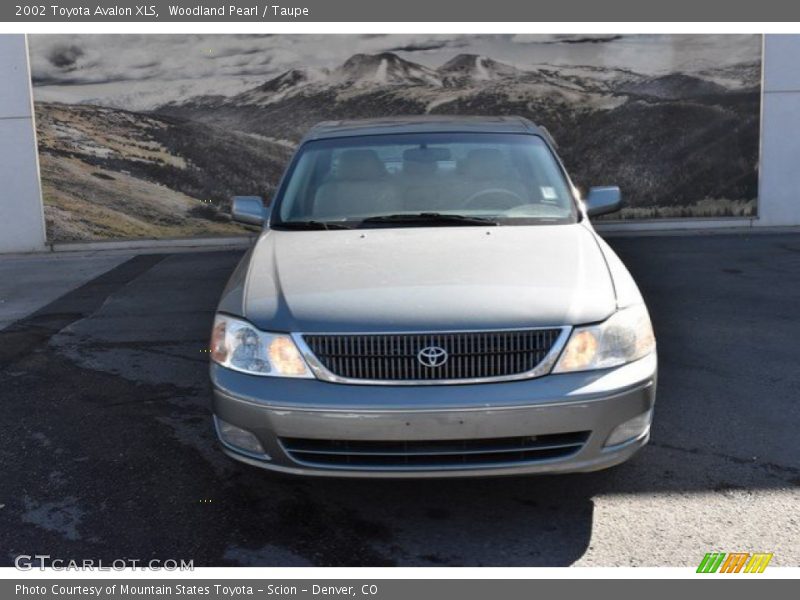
(149, 137)
(428, 298)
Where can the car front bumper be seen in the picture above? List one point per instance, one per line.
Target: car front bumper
(595, 402)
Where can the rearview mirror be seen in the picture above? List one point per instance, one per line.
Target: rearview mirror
(248, 209)
(603, 200)
(427, 154)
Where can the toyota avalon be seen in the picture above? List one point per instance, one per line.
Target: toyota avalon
(428, 297)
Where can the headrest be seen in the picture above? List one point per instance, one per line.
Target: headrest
(485, 163)
(359, 165)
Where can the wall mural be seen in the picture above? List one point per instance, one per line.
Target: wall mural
(148, 136)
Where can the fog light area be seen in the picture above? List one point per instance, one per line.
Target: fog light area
(630, 429)
(239, 439)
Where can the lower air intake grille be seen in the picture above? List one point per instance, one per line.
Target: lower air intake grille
(434, 454)
(450, 356)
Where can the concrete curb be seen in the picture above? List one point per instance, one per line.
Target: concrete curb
(198, 244)
(616, 231)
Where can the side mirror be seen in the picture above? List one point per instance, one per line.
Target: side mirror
(248, 209)
(603, 200)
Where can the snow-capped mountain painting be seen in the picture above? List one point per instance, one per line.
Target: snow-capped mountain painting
(148, 136)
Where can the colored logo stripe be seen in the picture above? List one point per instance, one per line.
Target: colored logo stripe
(734, 562)
(711, 562)
(758, 562)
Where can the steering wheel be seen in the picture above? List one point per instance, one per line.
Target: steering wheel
(503, 199)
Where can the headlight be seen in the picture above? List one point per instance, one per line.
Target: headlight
(238, 345)
(624, 337)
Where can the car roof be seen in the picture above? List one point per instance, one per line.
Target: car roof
(424, 124)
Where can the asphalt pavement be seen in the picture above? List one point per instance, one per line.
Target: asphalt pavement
(107, 449)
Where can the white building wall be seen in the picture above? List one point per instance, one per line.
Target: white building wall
(779, 187)
(21, 218)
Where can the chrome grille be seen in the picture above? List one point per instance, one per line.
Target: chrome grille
(481, 355)
(433, 454)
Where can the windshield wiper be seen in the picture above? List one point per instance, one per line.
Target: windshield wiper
(310, 225)
(430, 218)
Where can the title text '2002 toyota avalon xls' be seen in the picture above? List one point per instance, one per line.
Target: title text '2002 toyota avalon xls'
(428, 297)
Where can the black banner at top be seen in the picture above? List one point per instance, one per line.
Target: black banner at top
(260, 11)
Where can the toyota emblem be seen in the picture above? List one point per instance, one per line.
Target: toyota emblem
(432, 356)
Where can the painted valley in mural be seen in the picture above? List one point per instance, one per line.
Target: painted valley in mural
(149, 136)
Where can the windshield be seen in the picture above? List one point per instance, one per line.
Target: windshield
(422, 180)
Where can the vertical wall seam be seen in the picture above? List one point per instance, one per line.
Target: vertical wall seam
(759, 175)
(39, 187)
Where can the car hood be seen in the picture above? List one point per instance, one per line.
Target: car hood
(422, 279)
